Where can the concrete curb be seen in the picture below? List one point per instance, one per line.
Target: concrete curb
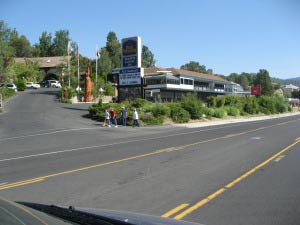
(230, 121)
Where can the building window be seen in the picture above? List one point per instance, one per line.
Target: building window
(181, 80)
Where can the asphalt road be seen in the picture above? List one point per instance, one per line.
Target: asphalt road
(244, 173)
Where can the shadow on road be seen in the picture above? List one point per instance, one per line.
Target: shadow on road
(77, 109)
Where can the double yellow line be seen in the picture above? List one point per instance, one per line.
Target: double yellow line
(20, 183)
(212, 196)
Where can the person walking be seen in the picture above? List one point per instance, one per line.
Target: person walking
(123, 116)
(135, 119)
(113, 117)
(106, 119)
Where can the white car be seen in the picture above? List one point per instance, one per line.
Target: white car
(32, 85)
(10, 86)
(53, 83)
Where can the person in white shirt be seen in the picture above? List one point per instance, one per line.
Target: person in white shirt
(106, 119)
(135, 119)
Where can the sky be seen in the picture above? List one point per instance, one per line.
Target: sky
(224, 35)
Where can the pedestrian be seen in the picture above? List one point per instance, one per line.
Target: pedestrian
(135, 119)
(123, 116)
(106, 119)
(113, 117)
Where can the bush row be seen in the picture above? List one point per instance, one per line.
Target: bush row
(191, 108)
(6, 93)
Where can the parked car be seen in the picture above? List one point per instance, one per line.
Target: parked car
(53, 83)
(9, 86)
(32, 85)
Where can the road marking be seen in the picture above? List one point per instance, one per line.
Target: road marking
(25, 210)
(199, 204)
(234, 182)
(297, 138)
(53, 132)
(256, 138)
(3, 183)
(12, 215)
(279, 158)
(20, 183)
(175, 210)
(165, 150)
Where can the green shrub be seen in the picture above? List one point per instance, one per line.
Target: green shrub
(211, 101)
(20, 83)
(232, 100)
(281, 105)
(139, 103)
(149, 119)
(179, 115)
(6, 93)
(191, 104)
(236, 101)
(232, 111)
(251, 106)
(267, 104)
(160, 110)
(220, 113)
(208, 112)
(220, 102)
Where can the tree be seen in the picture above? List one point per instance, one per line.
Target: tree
(234, 77)
(264, 80)
(6, 50)
(113, 47)
(147, 57)
(194, 66)
(105, 64)
(60, 42)
(45, 45)
(21, 46)
(243, 81)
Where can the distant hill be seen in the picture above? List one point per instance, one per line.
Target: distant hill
(294, 81)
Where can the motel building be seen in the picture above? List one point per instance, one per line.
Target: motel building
(170, 84)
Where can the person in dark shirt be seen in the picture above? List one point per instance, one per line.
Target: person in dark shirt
(123, 116)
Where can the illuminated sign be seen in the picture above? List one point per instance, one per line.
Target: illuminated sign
(131, 52)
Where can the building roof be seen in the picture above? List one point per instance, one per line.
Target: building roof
(152, 70)
(290, 86)
(45, 62)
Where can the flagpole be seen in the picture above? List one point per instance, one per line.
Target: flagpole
(97, 67)
(68, 51)
(78, 87)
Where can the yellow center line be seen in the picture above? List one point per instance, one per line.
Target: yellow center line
(234, 182)
(21, 183)
(175, 210)
(199, 204)
(159, 151)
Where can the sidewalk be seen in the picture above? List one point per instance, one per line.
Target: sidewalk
(233, 120)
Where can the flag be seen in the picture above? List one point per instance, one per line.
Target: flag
(97, 52)
(255, 90)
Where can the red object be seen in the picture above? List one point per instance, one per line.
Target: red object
(255, 90)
